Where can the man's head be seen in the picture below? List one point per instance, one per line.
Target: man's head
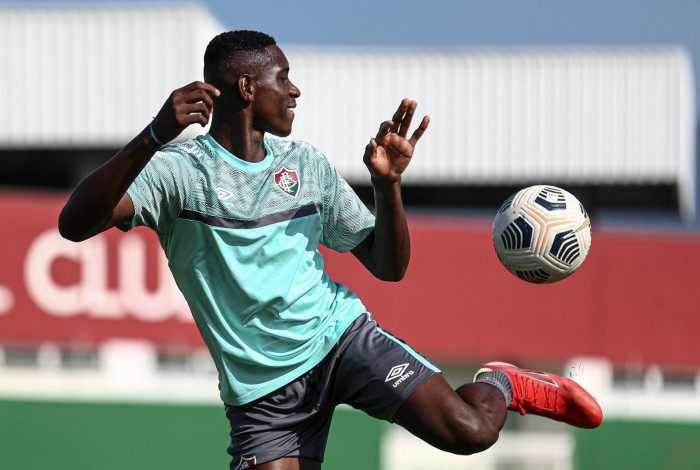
(234, 53)
(252, 74)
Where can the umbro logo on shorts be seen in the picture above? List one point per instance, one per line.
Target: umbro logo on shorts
(397, 373)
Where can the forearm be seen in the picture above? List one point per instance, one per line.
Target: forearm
(98, 202)
(387, 253)
(91, 205)
(391, 248)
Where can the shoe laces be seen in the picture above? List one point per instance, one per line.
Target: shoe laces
(540, 395)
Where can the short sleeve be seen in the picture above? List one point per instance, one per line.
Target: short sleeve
(158, 192)
(346, 220)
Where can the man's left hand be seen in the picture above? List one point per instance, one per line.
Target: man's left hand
(389, 153)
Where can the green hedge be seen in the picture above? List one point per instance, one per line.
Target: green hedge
(639, 445)
(36, 435)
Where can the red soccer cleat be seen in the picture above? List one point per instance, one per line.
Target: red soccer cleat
(549, 395)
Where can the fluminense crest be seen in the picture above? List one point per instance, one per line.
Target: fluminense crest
(288, 181)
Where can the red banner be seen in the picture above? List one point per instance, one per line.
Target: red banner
(114, 285)
(634, 299)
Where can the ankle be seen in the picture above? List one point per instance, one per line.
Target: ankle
(499, 380)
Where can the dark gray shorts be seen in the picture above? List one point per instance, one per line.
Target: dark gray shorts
(368, 369)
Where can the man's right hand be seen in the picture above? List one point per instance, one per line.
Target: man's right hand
(190, 104)
(99, 201)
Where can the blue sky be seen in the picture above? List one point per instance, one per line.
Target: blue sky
(458, 22)
(472, 22)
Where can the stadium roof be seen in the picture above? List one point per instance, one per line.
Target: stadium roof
(88, 75)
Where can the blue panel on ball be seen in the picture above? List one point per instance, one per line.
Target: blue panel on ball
(565, 247)
(508, 202)
(559, 202)
(534, 275)
(517, 235)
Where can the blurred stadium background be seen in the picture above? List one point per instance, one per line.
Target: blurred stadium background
(100, 364)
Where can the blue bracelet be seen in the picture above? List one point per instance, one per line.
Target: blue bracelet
(153, 135)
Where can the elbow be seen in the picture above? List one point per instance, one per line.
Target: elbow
(68, 231)
(394, 275)
(394, 271)
(72, 237)
(69, 235)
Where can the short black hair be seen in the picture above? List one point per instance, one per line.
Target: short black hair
(229, 50)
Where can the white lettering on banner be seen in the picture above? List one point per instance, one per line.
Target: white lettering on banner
(96, 296)
(91, 294)
(54, 299)
(7, 300)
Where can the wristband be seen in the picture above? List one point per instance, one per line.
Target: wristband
(153, 135)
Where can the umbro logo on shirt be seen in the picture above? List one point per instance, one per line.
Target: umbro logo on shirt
(288, 181)
(223, 194)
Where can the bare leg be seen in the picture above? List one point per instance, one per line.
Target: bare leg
(462, 421)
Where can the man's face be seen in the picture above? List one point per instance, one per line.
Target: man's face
(275, 95)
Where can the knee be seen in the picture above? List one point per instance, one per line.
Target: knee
(470, 435)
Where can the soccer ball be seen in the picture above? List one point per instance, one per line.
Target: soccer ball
(542, 234)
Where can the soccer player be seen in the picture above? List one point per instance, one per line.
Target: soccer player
(240, 216)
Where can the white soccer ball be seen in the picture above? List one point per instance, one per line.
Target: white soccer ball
(542, 234)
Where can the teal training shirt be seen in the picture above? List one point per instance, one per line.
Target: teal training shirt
(241, 241)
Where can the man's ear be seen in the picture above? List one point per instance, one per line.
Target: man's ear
(246, 88)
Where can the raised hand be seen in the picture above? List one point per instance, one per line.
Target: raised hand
(190, 104)
(389, 153)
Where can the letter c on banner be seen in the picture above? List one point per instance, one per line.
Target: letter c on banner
(54, 299)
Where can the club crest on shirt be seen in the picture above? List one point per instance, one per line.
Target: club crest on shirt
(288, 181)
